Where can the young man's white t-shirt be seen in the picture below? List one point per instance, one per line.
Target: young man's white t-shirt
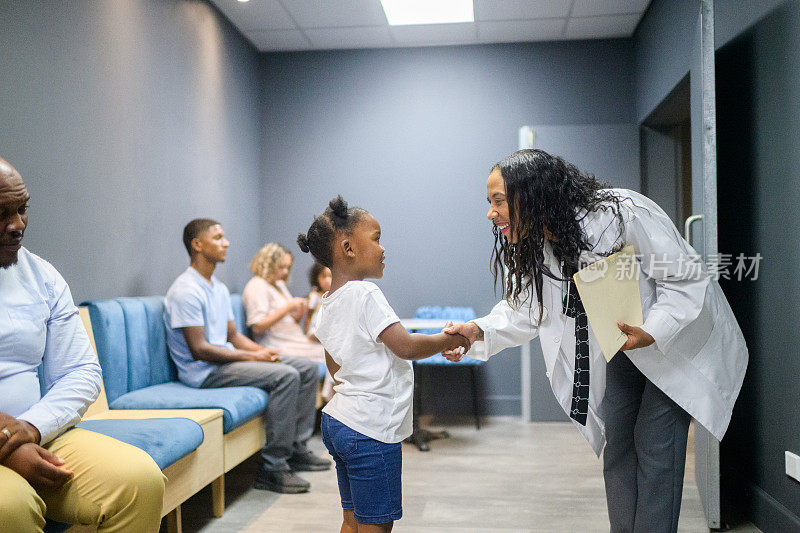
(376, 387)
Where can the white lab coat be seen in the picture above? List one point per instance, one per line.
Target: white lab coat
(699, 356)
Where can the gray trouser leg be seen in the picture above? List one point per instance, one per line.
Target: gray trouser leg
(306, 398)
(282, 382)
(660, 435)
(624, 387)
(645, 454)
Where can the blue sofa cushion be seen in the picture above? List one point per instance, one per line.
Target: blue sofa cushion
(238, 404)
(456, 314)
(108, 326)
(166, 440)
(149, 362)
(238, 313)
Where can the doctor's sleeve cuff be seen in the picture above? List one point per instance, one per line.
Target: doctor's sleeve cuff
(662, 327)
(482, 350)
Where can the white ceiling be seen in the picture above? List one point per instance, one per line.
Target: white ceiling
(283, 25)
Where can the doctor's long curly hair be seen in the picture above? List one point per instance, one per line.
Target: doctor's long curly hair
(544, 192)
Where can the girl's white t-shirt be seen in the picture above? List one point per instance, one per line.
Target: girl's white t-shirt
(375, 387)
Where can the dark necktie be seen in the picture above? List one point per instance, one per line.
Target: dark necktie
(573, 307)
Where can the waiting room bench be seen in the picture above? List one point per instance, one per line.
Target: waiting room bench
(138, 373)
(186, 444)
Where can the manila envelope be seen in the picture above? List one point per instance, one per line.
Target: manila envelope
(609, 290)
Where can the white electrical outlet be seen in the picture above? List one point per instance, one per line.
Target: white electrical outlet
(792, 465)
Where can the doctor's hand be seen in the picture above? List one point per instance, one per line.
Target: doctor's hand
(470, 331)
(637, 337)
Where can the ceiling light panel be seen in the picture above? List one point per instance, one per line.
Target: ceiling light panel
(406, 12)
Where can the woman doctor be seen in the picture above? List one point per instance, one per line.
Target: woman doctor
(687, 360)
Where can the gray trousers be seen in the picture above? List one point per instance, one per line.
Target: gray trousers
(645, 454)
(291, 410)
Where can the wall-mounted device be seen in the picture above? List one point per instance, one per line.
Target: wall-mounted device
(526, 137)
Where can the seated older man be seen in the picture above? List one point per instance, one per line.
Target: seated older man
(46, 468)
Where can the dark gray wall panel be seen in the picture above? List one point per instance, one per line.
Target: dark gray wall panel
(758, 86)
(127, 118)
(665, 42)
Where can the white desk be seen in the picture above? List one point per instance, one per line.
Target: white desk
(415, 324)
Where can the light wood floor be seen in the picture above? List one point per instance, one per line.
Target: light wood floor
(507, 477)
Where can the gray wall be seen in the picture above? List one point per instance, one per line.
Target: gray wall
(758, 86)
(410, 134)
(127, 118)
(667, 48)
(665, 44)
(759, 179)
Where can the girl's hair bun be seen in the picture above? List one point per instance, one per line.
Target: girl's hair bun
(302, 242)
(339, 210)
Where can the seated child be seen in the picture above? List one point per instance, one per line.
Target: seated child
(319, 277)
(368, 353)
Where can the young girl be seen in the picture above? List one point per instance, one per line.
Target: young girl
(368, 353)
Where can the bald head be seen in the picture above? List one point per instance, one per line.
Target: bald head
(13, 213)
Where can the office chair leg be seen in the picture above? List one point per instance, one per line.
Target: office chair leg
(473, 371)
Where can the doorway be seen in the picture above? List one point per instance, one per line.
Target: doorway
(666, 154)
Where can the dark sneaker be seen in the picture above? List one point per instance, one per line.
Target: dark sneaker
(285, 482)
(308, 462)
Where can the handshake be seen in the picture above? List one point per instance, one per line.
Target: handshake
(470, 331)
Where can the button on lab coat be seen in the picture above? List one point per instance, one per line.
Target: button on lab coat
(699, 356)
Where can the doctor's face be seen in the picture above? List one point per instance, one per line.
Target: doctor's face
(498, 205)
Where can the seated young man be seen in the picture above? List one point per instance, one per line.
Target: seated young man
(210, 352)
(48, 468)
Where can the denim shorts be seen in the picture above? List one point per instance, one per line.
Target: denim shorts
(368, 472)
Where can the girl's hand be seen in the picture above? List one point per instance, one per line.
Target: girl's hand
(637, 337)
(470, 331)
(464, 344)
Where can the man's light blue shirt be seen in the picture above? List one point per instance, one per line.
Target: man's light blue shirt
(194, 301)
(40, 325)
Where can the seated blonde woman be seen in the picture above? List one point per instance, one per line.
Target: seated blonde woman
(273, 315)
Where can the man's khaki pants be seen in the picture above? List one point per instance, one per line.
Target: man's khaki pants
(115, 487)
